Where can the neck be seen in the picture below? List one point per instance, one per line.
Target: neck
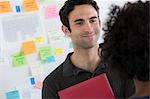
(142, 88)
(87, 59)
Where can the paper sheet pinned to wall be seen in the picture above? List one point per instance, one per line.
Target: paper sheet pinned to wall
(5, 7)
(36, 69)
(20, 27)
(29, 47)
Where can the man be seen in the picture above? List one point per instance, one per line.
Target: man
(81, 22)
(126, 45)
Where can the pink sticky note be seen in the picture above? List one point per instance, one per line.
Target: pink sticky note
(51, 11)
(39, 84)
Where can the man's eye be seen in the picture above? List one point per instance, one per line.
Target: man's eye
(92, 21)
(79, 23)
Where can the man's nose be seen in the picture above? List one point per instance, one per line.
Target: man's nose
(88, 26)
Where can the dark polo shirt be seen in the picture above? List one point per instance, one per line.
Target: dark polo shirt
(67, 75)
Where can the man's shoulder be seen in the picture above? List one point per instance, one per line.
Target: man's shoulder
(56, 74)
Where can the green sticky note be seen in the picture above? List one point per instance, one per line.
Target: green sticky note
(19, 59)
(48, 1)
(45, 52)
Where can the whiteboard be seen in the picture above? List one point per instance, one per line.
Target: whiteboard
(16, 28)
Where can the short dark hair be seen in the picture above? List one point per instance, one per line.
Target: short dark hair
(126, 40)
(69, 5)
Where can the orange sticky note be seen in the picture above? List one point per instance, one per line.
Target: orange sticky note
(39, 84)
(29, 47)
(30, 5)
(5, 7)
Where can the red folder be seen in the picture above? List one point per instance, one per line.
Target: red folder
(95, 88)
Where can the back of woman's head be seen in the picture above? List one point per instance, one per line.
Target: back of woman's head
(126, 45)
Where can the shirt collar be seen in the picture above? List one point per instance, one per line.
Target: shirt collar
(69, 69)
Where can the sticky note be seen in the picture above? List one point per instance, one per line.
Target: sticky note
(30, 5)
(58, 51)
(45, 52)
(18, 9)
(5, 7)
(29, 47)
(51, 11)
(19, 59)
(50, 59)
(39, 84)
(13, 95)
(39, 39)
(48, 1)
(32, 79)
(70, 45)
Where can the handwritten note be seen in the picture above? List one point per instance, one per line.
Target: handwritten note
(5, 7)
(51, 11)
(36, 68)
(29, 47)
(13, 95)
(45, 52)
(19, 59)
(30, 5)
(59, 51)
(39, 39)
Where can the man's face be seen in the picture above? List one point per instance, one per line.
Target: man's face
(85, 26)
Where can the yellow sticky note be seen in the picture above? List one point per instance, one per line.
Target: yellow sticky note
(30, 5)
(58, 51)
(39, 39)
(5, 7)
(19, 59)
(29, 47)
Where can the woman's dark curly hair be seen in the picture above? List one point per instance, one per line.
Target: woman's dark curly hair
(126, 40)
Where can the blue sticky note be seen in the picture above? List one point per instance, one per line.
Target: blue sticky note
(50, 59)
(32, 81)
(13, 95)
(18, 9)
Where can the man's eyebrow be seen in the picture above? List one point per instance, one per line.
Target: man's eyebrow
(78, 20)
(94, 17)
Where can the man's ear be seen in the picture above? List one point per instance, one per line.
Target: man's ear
(65, 30)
